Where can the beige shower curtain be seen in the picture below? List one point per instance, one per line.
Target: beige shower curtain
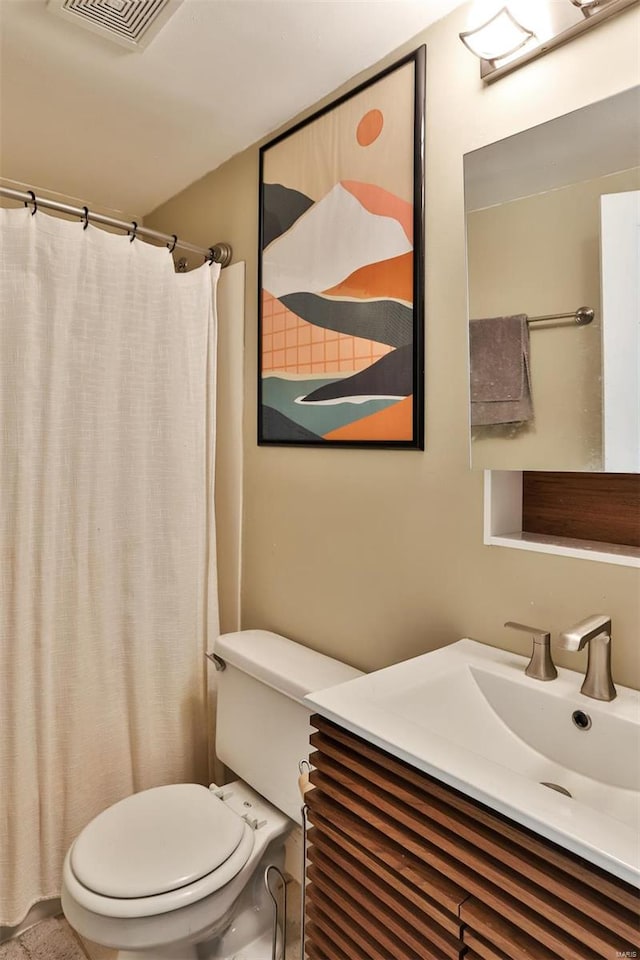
(107, 549)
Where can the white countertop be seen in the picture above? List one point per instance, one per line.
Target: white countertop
(467, 715)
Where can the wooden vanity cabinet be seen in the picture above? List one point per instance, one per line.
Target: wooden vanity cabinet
(403, 867)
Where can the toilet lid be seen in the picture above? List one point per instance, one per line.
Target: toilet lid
(156, 841)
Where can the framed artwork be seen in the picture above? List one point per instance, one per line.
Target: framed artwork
(340, 270)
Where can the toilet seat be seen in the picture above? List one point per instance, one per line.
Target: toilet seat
(156, 851)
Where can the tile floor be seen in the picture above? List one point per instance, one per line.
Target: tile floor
(51, 939)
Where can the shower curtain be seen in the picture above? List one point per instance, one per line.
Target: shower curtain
(107, 545)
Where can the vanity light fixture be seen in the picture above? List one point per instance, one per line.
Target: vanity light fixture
(499, 37)
(504, 44)
(588, 7)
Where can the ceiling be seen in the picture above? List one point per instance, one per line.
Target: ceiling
(123, 131)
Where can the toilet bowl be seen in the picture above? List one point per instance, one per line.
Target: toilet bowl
(177, 872)
(125, 887)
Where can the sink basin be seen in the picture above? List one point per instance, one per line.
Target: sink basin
(529, 728)
(542, 753)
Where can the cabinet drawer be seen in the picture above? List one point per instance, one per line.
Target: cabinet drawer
(322, 946)
(342, 918)
(419, 887)
(382, 901)
(494, 938)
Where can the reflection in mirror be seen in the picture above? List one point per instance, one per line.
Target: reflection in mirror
(553, 225)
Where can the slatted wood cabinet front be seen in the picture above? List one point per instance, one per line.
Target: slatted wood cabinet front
(402, 867)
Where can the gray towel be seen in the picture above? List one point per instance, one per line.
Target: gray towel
(500, 378)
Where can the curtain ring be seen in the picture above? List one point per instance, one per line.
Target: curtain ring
(33, 201)
(173, 245)
(133, 233)
(211, 259)
(85, 217)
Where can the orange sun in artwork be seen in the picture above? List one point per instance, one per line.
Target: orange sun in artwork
(369, 128)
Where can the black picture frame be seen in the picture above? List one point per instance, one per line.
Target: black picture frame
(310, 238)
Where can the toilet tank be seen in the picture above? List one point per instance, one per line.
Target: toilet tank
(262, 724)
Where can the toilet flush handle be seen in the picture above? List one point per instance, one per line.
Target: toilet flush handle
(217, 661)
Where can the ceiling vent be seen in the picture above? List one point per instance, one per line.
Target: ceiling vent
(129, 23)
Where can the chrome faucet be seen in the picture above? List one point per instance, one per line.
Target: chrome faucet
(540, 666)
(596, 631)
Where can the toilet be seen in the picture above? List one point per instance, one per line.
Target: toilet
(178, 872)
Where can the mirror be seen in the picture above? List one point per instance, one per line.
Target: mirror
(553, 225)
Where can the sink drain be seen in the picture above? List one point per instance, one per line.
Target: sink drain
(581, 719)
(556, 786)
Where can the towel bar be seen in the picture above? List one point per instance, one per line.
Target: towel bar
(582, 316)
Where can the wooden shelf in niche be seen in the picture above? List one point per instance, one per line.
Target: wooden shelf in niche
(603, 507)
(403, 866)
(503, 525)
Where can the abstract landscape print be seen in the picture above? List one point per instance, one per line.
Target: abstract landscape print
(340, 270)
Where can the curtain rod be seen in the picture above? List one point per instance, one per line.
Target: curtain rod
(220, 252)
(582, 316)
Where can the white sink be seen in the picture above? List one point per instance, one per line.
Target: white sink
(468, 715)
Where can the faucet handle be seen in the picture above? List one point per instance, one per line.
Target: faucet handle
(539, 636)
(540, 666)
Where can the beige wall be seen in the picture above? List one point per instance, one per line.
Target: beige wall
(541, 255)
(376, 556)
